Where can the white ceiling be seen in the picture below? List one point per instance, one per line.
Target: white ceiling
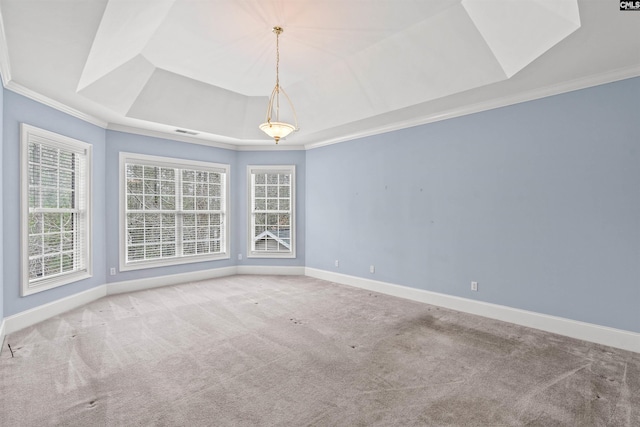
(351, 68)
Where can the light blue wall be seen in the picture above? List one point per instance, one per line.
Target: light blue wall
(539, 202)
(238, 161)
(125, 142)
(107, 145)
(19, 109)
(246, 158)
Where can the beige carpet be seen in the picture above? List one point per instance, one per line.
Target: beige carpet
(296, 351)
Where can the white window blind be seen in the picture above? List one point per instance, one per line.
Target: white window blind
(174, 212)
(271, 220)
(56, 220)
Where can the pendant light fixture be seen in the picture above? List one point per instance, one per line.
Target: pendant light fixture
(273, 126)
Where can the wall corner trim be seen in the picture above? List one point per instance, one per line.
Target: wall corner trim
(2, 334)
(612, 337)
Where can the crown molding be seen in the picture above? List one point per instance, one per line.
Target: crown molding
(170, 136)
(530, 95)
(200, 141)
(271, 147)
(8, 83)
(19, 89)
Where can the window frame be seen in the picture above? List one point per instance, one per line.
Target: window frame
(84, 199)
(252, 169)
(169, 162)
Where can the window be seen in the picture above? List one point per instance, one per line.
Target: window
(271, 219)
(55, 210)
(172, 211)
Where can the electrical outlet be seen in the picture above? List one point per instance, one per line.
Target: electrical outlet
(474, 286)
(372, 269)
(112, 271)
(240, 257)
(337, 263)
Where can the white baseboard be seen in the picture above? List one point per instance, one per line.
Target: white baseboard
(43, 312)
(38, 314)
(195, 276)
(173, 279)
(270, 270)
(618, 338)
(612, 337)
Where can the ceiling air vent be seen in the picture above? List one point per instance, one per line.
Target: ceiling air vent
(186, 132)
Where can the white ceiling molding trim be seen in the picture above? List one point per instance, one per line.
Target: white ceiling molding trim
(271, 147)
(170, 136)
(56, 105)
(582, 83)
(200, 141)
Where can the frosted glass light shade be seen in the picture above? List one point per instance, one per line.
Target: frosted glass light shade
(277, 130)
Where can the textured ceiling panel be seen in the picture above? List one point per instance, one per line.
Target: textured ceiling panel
(427, 61)
(120, 88)
(202, 107)
(125, 29)
(519, 32)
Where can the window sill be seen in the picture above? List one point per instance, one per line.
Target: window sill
(130, 266)
(273, 255)
(54, 282)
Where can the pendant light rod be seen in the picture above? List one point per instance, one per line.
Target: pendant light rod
(277, 31)
(277, 129)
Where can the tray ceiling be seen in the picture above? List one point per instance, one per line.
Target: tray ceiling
(350, 68)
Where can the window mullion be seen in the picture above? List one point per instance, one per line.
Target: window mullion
(179, 213)
(78, 232)
(252, 231)
(53, 210)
